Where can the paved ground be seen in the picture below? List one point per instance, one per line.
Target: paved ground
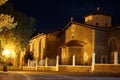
(73, 76)
(64, 77)
(33, 75)
(16, 76)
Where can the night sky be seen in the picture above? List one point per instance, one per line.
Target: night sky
(51, 15)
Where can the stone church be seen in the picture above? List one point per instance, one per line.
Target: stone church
(95, 35)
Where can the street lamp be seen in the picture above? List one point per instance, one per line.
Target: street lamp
(6, 54)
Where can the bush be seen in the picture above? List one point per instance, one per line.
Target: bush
(28, 55)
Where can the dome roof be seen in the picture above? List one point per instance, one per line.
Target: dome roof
(74, 43)
(97, 12)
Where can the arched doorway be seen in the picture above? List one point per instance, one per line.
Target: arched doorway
(73, 47)
(112, 43)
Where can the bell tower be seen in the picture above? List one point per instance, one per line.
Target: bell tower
(98, 18)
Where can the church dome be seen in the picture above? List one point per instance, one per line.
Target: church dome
(98, 18)
(73, 43)
(98, 12)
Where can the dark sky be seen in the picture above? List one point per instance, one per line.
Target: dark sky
(51, 15)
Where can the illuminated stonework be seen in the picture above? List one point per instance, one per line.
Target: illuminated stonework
(98, 18)
(81, 40)
(43, 45)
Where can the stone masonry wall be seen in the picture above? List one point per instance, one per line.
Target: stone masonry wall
(83, 34)
(107, 68)
(100, 44)
(52, 46)
(99, 68)
(66, 68)
(115, 35)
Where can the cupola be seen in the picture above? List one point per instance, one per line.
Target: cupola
(98, 18)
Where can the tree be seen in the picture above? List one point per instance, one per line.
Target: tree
(2, 2)
(9, 42)
(28, 56)
(7, 21)
(16, 36)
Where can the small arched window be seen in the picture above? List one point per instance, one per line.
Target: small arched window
(72, 36)
(104, 59)
(33, 47)
(106, 24)
(97, 24)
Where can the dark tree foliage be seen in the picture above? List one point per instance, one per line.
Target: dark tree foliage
(28, 56)
(24, 28)
(8, 9)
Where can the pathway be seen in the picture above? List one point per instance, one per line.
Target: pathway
(14, 77)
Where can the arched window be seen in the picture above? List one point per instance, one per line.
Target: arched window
(104, 59)
(112, 43)
(106, 24)
(97, 24)
(72, 36)
(33, 48)
(39, 49)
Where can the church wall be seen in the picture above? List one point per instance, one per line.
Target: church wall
(37, 46)
(34, 48)
(114, 36)
(101, 20)
(52, 46)
(61, 38)
(82, 34)
(100, 44)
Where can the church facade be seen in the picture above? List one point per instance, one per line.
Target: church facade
(96, 35)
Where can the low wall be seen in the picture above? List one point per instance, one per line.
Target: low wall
(107, 68)
(46, 68)
(10, 68)
(67, 68)
(29, 68)
(102, 68)
(40, 68)
(62, 68)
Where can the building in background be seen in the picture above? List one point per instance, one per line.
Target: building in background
(96, 35)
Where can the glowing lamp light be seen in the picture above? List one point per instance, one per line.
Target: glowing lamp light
(6, 52)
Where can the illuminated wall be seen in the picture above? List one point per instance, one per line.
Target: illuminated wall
(98, 20)
(114, 43)
(91, 37)
(101, 47)
(37, 45)
(44, 45)
(84, 35)
(52, 45)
